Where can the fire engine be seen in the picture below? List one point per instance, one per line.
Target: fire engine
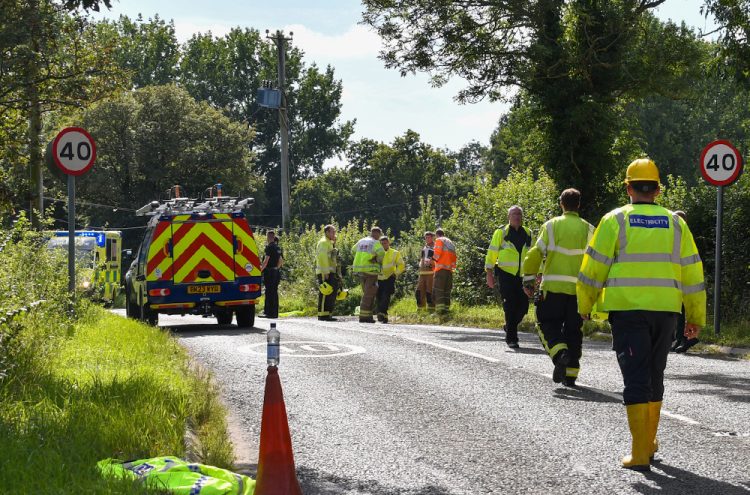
(198, 256)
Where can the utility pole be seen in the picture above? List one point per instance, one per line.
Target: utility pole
(280, 41)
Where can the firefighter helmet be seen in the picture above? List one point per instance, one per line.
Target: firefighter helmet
(342, 294)
(326, 289)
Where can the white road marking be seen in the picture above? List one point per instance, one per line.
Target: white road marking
(453, 349)
(606, 393)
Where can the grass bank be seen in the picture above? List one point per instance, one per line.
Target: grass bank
(111, 388)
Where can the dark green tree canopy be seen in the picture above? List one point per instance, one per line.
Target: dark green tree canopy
(154, 138)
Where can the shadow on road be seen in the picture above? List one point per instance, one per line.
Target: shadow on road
(673, 480)
(583, 394)
(190, 330)
(314, 482)
(731, 387)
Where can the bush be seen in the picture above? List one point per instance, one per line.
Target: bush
(475, 219)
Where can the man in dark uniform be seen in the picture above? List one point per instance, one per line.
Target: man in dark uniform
(274, 258)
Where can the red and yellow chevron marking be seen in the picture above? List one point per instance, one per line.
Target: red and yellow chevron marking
(247, 250)
(158, 253)
(203, 246)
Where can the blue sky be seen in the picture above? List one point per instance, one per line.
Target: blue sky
(384, 104)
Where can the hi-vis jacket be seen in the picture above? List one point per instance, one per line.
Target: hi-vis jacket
(368, 256)
(642, 257)
(173, 475)
(504, 254)
(393, 264)
(444, 255)
(561, 244)
(325, 259)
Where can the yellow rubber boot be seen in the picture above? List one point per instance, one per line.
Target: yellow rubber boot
(654, 413)
(638, 460)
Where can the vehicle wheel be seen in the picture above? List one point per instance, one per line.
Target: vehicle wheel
(131, 307)
(246, 316)
(223, 317)
(149, 316)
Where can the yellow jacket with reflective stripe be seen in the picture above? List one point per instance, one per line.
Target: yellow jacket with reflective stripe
(393, 263)
(561, 244)
(504, 254)
(642, 257)
(368, 256)
(325, 261)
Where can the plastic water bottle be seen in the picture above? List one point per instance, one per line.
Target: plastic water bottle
(272, 346)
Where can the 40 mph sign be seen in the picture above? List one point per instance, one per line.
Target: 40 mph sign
(721, 163)
(74, 151)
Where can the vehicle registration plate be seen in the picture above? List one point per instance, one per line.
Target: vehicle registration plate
(203, 289)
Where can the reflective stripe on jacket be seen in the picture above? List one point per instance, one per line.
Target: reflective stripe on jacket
(393, 263)
(325, 261)
(561, 244)
(368, 255)
(445, 254)
(642, 257)
(504, 253)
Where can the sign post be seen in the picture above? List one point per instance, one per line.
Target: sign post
(74, 152)
(721, 165)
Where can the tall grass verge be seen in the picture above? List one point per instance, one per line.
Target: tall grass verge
(113, 388)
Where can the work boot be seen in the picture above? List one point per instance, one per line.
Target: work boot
(561, 363)
(654, 413)
(569, 381)
(330, 318)
(685, 346)
(638, 421)
(367, 320)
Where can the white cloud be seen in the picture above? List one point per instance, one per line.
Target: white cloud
(357, 42)
(185, 28)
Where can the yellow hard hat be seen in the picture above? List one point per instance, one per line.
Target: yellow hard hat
(326, 288)
(342, 295)
(642, 169)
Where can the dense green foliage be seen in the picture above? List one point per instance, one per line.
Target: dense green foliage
(156, 137)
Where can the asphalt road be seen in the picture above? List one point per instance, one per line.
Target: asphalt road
(410, 409)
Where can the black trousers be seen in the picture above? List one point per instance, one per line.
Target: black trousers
(271, 279)
(386, 288)
(641, 340)
(515, 303)
(560, 328)
(326, 303)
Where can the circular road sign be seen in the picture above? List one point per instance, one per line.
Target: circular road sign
(74, 151)
(721, 163)
(305, 349)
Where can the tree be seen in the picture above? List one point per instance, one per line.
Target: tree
(227, 71)
(51, 61)
(147, 50)
(154, 138)
(733, 18)
(574, 60)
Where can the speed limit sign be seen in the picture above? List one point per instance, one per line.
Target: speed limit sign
(74, 151)
(721, 163)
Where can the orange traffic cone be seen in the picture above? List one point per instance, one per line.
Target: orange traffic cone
(276, 473)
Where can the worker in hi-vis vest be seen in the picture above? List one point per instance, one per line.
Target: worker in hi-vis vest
(641, 266)
(325, 270)
(505, 255)
(368, 257)
(560, 246)
(393, 266)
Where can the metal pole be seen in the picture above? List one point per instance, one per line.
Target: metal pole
(71, 236)
(284, 130)
(440, 211)
(717, 268)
